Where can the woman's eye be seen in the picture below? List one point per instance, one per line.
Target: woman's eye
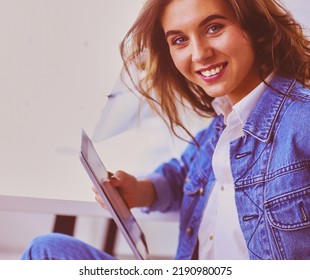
(214, 28)
(178, 41)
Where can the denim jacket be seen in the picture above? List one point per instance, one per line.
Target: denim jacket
(271, 170)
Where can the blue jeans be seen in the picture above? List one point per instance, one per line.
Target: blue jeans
(56, 246)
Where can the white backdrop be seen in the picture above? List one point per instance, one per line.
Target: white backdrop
(58, 60)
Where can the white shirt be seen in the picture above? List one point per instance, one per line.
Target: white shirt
(220, 235)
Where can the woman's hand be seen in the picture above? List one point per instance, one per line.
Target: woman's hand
(136, 193)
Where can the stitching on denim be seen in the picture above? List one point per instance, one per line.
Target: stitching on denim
(269, 177)
(288, 196)
(276, 242)
(284, 198)
(251, 237)
(238, 182)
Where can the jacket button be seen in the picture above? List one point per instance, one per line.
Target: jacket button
(189, 231)
(202, 191)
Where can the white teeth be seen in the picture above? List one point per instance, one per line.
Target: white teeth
(212, 72)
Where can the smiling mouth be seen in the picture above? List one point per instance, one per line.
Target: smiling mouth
(212, 72)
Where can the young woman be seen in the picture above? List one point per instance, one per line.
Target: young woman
(243, 185)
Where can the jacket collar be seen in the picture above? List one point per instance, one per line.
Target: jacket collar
(262, 119)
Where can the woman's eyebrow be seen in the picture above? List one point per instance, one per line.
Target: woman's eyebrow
(203, 22)
(211, 18)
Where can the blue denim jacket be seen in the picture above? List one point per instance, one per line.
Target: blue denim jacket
(271, 171)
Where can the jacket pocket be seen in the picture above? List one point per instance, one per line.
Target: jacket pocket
(290, 211)
(289, 224)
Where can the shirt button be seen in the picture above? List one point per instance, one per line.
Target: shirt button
(211, 237)
(222, 188)
(189, 231)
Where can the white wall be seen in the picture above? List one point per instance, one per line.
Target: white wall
(58, 59)
(300, 9)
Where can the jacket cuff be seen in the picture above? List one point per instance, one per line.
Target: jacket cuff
(161, 188)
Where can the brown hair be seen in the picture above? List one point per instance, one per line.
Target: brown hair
(278, 41)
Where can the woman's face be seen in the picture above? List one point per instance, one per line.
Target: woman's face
(209, 48)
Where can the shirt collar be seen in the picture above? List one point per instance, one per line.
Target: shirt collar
(245, 106)
(241, 110)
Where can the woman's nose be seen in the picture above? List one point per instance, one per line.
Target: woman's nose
(201, 50)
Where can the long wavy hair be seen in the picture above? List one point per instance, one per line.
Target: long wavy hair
(279, 43)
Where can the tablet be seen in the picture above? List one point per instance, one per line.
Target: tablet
(118, 209)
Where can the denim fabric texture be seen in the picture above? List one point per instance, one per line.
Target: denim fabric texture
(271, 170)
(57, 246)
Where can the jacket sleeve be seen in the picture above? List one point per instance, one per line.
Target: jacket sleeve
(168, 179)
